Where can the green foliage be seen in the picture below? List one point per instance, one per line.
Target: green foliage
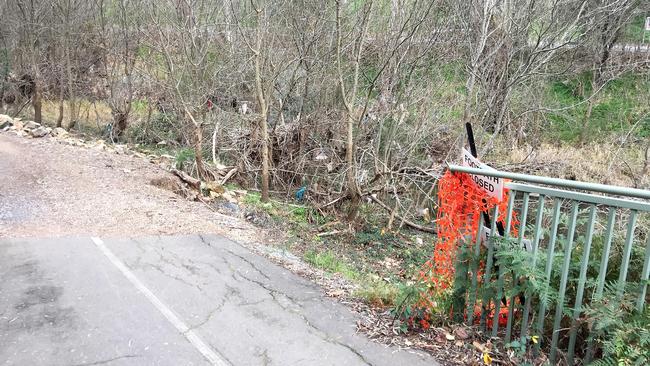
(616, 108)
(183, 157)
(371, 288)
(622, 334)
(635, 31)
(140, 106)
(329, 262)
(252, 198)
(376, 291)
(163, 127)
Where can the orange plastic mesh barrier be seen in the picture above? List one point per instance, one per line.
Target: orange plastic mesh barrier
(460, 203)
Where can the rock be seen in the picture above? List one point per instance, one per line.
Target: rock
(60, 132)
(30, 125)
(120, 149)
(231, 208)
(18, 124)
(230, 196)
(169, 183)
(39, 131)
(5, 121)
(213, 187)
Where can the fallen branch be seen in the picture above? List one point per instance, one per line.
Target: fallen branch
(229, 175)
(193, 182)
(407, 222)
(331, 233)
(332, 202)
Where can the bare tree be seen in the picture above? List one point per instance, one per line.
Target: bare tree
(120, 38)
(30, 24)
(181, 60)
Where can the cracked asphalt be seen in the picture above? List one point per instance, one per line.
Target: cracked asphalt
(65, 302)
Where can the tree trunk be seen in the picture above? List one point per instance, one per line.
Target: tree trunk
(265, 159)
(72, 105)
(198, 145)
(261, 100)
(36, 101)
(59, 119)
(351, 176)
(352, 188)
(646, 165)
(198, 151)
(120, 122)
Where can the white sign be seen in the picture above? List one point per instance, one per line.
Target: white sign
(493, 186)
(647, 23)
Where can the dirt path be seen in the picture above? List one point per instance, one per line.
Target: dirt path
(51, 189)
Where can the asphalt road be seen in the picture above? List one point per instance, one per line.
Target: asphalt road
(183, 300)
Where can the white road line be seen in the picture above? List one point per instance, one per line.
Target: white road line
(190, 334)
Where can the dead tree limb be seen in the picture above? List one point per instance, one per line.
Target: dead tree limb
(193, 182)
(407, 222)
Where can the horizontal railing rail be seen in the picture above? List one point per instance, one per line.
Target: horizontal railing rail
(584, 197)
(564, 183)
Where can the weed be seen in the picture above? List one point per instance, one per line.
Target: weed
(252, 198)
(184, 156)
(376, 291)
(329, 262)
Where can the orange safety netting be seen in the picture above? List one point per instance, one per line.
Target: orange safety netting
(460, 203)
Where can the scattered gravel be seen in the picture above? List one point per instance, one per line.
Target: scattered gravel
(50, 188)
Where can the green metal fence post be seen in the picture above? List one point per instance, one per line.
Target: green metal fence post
(475, 260)
(497, 301)
(625, 261)
(644, 275)
(488, 268)
(563, 281)
(522, 231)
(609, 234)
(549, 266)
(577, 309)
(538, 235)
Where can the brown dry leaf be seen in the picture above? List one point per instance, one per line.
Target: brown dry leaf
(480, 347)
(461, 333)
(335, 293)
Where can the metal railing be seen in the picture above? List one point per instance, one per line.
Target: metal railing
(570, 227)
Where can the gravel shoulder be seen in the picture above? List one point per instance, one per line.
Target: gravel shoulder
(51, 188)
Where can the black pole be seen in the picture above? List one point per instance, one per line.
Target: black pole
(472, 149)
(486, 214)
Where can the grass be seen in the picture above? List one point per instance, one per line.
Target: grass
(634, 32)
(92, 116)
(616, 108)
(331, 263)
(370, 287)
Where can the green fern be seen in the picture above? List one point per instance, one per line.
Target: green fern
(622, 333)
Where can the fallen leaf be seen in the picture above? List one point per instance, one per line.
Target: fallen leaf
(479, 347)
(487, 359)
(461, 333)
(335, 293)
